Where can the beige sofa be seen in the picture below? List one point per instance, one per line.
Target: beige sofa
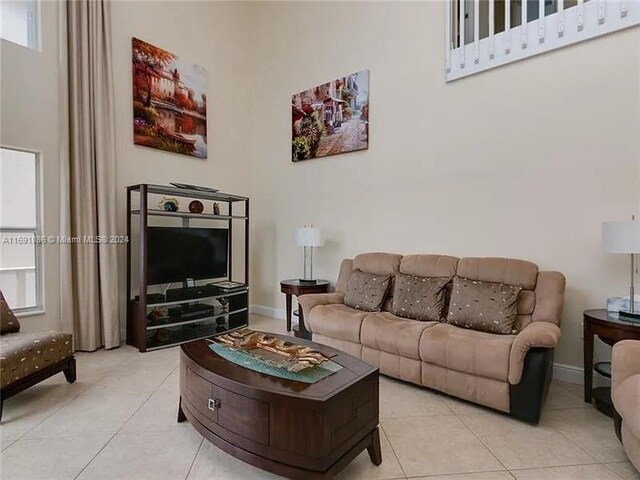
(625, 392)
(510, 373)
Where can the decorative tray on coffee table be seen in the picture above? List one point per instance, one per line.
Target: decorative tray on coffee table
(271, 350)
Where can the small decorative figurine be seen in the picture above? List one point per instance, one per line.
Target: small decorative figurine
(168, 204)
(216, 208)
(196, 206)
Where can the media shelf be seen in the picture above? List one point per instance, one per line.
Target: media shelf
(161, 324)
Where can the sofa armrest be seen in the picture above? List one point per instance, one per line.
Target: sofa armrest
(549, 297)
(536, 334)
(309, 301)
(625, 361)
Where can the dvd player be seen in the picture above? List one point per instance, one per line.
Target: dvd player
(190, 312)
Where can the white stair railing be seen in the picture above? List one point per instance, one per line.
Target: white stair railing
(566, 26)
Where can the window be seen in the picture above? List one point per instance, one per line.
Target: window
(20, 22)
(20, 228)
(483, 34)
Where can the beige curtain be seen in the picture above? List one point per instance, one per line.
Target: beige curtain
(89, 276)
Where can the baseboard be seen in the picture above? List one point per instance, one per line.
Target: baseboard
(573, 374)
(267, 311)
(562, 372)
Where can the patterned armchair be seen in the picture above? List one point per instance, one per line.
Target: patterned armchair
(29, 358)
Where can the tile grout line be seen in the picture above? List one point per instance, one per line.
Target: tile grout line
(606, 465)
(483, 444)
(122, 426)
(194, 459)
(392, 450)
(458, 474)
(589, 454)
(64, 404)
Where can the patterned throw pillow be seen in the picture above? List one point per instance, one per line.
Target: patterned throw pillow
(419, 298)
(485, 306)
(8, 321)
(366, 291)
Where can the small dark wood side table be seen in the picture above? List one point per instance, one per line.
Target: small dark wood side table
(610, 328)
(297, 288)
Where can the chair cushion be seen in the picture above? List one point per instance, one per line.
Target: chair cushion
(22, 354)
(336, 321)
(469, 351)
(366, 291)
(419, 298)
(484, 306)
(8, 321)
(389, 333)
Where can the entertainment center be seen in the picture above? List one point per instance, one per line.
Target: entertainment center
(181, 281)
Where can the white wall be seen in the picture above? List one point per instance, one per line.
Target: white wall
(522, 161)
(30, 109)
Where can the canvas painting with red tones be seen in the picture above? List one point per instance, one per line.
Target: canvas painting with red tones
(331, 118)
(169, 101)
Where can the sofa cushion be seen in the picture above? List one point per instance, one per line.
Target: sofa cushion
(389, 333)
(419, 298)
(429, 265)
(377, 262)
(469, 351)
(22, 354)
(336, 321)
(8, 321)
(484, 306)
(500, 270)
(366, 291)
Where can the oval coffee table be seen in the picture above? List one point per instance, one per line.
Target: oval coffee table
(294, 429)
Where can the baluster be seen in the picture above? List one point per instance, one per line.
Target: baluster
(492, 28)
(523, 22)
(561, 18)
(542, 18)
(448, 46)
(507, 27)
(580, 15)
(461, 29)
(476, 31)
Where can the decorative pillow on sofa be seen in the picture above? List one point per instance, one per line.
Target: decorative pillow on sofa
(485, 306)
(8, 321)
(419, 298)
(366, 291)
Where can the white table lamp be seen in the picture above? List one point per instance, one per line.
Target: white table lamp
(623, 237)
(308, 237)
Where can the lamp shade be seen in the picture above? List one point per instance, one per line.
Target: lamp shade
(308, 237)
(621, 237)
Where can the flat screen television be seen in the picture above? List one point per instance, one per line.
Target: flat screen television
(175, 254)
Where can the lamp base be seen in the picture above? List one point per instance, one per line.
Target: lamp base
(625, 313)
(304, 281)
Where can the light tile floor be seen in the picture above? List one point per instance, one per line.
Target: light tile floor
(118, 421)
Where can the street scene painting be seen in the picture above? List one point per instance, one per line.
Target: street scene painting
(169, 101)
(331, 118)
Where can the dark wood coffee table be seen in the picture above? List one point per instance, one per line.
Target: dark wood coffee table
(294, 429)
